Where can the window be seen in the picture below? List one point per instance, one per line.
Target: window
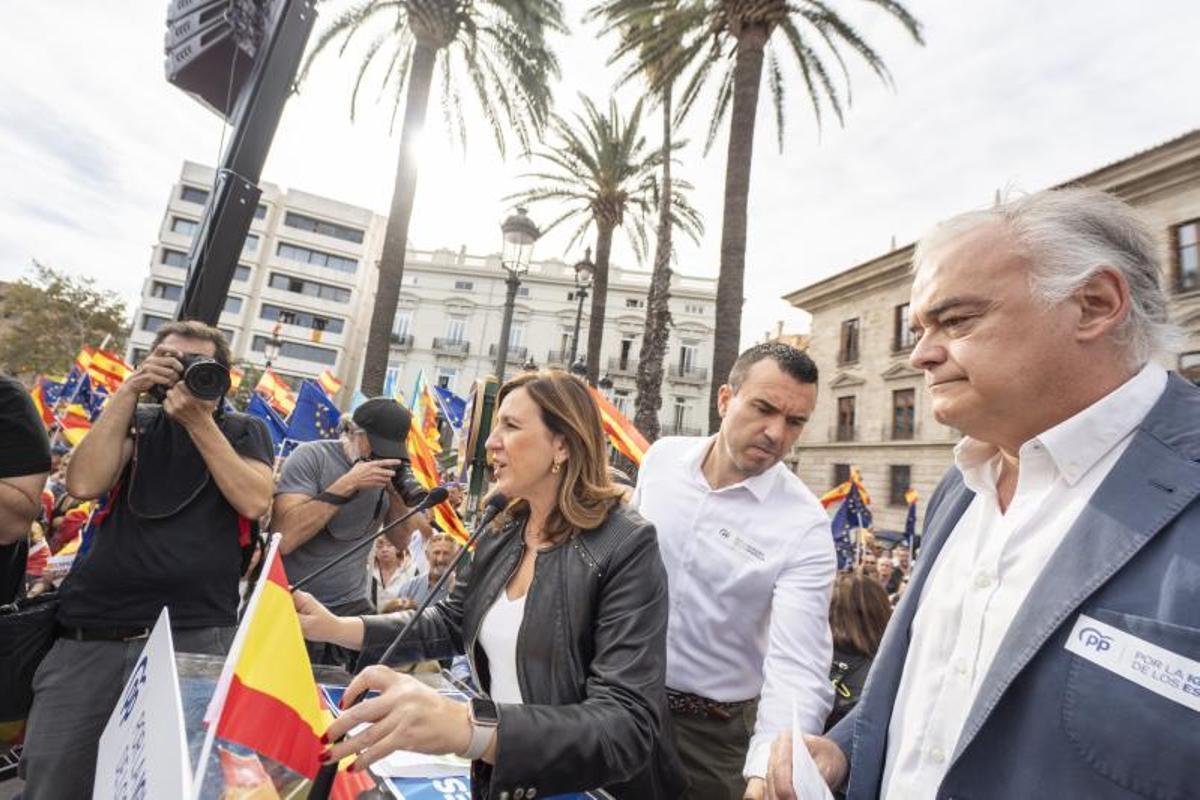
(409, 280)
(841, 474)
(251, 244)
(310, 288)
(899, 481)
(845, 419)
(166, 291)
(682, 413)
(564, 342)
(317, 258)
(260, 211)
(402, 324)
(1187, 256)
(464, 286)
(522, 291)
(152, 322)
(902, 335)
(190, 194)
(904, 413)
(447, 378)
(621, 401)
(687, 358)
(138, 355)
(1189, 367)
(174, 258)
(186, 227)
(516, 335)
(848, 349)
(390, 379)
(233, 305)
(692, 308)
(626, 351)
(314, 225)
(241, 273)
(304, 352)
(304, 319)
(456, 329)
(634, 302)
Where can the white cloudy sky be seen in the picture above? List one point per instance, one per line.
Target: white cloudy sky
(1006, 93)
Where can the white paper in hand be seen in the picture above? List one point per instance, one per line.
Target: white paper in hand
(806, 778)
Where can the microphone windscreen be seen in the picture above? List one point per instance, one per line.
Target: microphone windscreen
(497, 501)
(437, 496)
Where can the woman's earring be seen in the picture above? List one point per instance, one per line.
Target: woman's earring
(554, 469)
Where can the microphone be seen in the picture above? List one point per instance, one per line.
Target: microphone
(495, 505)
(322, 785)
(435, 497)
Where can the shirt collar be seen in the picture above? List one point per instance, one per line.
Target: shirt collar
(1078, 443)
(760, 485)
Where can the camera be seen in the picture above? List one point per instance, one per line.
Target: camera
(406, 485)
(203, 375)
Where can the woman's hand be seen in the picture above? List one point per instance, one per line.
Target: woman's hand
(319, 624)
(407, 715)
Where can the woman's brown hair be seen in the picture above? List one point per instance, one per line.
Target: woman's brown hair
(586, 492)
(858, 614)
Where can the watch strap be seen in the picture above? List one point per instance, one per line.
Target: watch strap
(481, 734)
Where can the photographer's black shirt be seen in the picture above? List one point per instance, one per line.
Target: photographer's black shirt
(177, 545)
(24, 450)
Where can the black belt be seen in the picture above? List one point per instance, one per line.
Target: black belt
(693, 705)
(111, 634)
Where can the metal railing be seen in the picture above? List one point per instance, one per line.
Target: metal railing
(557, 358)
(688, 374)
(515, 355)
(619, 366)
(681, 430)
(402, 341)
(453, 347)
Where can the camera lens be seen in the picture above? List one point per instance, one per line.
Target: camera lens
(206, 379)
(410, 491)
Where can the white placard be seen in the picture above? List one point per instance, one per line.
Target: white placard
(806, 778)
(143, 751)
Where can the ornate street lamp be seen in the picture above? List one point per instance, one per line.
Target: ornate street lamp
(519, 235)
(585, 270)
(605, 385)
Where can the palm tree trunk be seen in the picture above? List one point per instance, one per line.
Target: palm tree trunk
(658, 309)
(604, 237)
(395, 238)
(747, 78)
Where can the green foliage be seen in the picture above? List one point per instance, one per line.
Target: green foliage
(49, 317)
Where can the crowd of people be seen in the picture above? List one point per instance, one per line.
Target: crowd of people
(664, 638)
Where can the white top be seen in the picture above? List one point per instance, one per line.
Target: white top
(750, 569)
(391, 589)
(498, 636)
(987, 567)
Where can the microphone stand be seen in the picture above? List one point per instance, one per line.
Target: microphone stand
(323, 783)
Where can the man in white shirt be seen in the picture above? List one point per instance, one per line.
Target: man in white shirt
(1049, 643)
(750, 564)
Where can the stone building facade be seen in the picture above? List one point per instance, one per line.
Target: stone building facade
(872, 410)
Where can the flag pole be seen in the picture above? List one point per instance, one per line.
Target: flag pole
(216, 705)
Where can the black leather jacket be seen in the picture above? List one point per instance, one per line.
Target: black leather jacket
(591, 662)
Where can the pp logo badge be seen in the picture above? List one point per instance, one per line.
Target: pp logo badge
(1090, 637)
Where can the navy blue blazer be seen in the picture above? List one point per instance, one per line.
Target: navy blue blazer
(1046, 722)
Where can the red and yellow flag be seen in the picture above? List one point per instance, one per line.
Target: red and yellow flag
(620, 431)
(38, 393)
(838, 493)
(425, 413)
(104, 368)
(329, 383)
(76, 422)
(276, 392)
(425, 468)
(271, 703)
(236, 376)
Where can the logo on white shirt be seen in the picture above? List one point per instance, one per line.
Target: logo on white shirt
(739, 545)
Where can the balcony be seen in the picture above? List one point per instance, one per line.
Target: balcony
(622, 366)
(680, 430)
(451, 347)
(558, 358)
(844, 433)
(515, 355)
(682, 374)
(402, 342)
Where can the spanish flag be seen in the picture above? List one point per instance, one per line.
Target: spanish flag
(105, 369)
(266, 697)
(40, 402)
(329, 384)
(76, 423)
(838, 493)
(236, 376)
(425, 468)
(627, 439)
(276, 392)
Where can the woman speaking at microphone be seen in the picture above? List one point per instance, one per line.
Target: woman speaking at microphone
(563, 616)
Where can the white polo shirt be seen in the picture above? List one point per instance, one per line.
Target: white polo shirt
(750, 569)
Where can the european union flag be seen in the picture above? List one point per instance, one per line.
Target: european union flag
(452, 406)
(910, 530)
(51, 391)
(852, 513)
(258, 407)
(314, 417)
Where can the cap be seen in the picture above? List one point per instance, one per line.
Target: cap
(386, 424)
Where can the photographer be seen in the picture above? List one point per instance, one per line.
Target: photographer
(24, 463)
(333, 494)
(183, 481)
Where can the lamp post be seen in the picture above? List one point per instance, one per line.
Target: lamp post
(519, 235)
(584, 270)
(272, 346)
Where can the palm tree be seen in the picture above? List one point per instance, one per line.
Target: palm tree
(493, 50)
(602, 169)
(632, 22)
(738, 36)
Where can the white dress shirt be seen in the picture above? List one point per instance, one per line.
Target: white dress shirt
(987, 567)
(750, 569)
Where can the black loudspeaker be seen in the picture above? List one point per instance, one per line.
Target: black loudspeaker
(211, 45)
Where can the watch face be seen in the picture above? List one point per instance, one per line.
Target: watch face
(483, 712)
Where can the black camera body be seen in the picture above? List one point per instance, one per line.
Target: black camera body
(203, 375)
(407, 486)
